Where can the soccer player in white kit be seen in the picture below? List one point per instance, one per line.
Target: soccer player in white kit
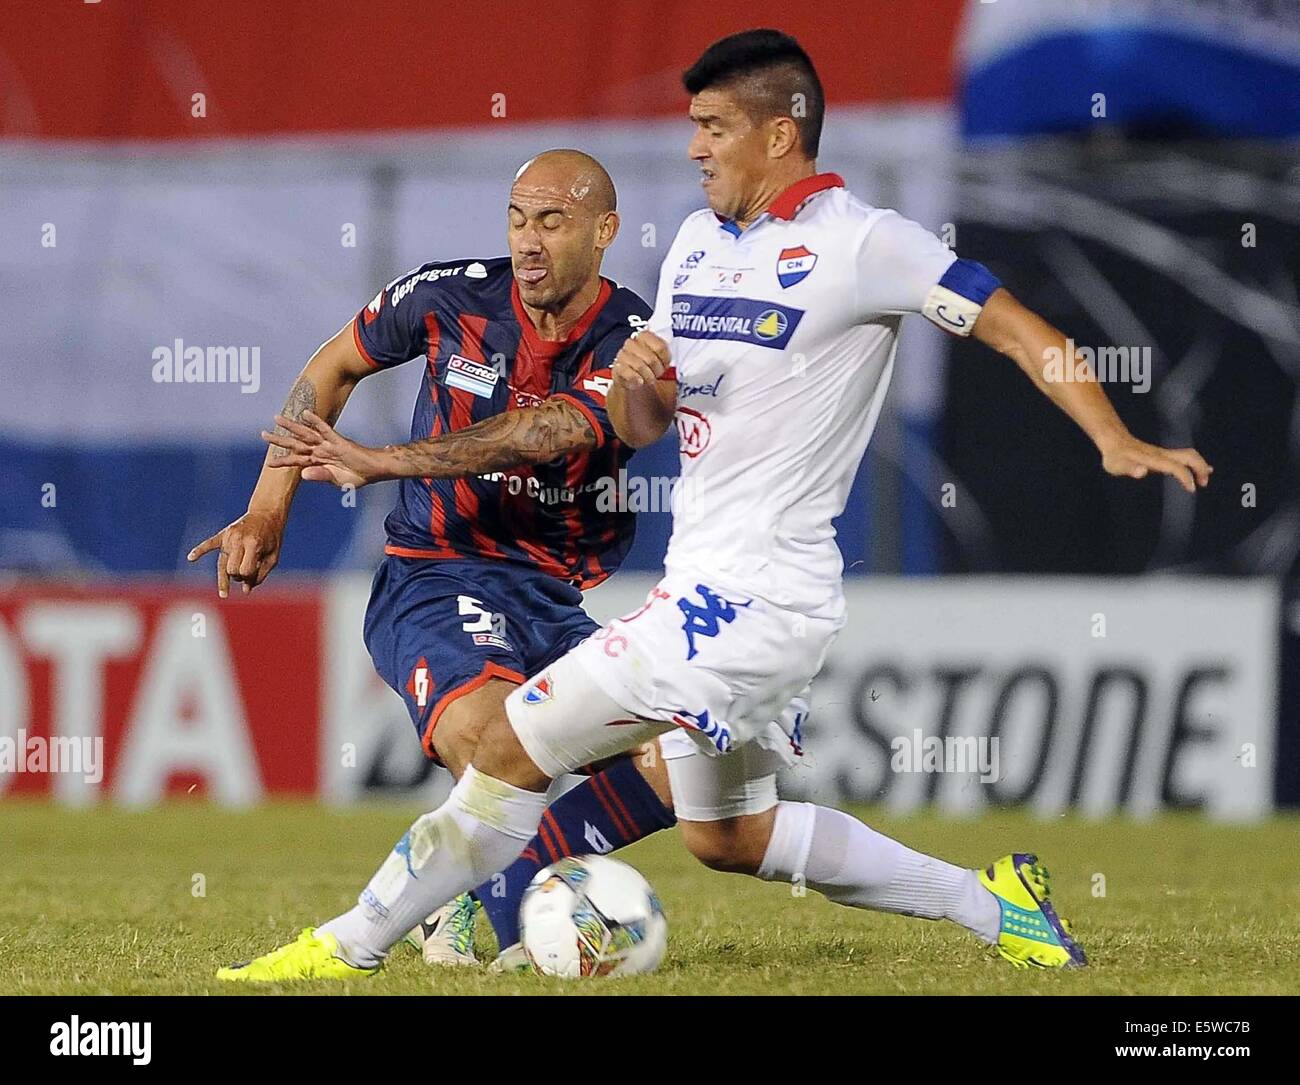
(771, 347)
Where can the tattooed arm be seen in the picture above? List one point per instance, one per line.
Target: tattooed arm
(556, 427)
(531, 435)
(250, 546)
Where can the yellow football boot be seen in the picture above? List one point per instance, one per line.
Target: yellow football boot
(1032, 934)
(310, 956)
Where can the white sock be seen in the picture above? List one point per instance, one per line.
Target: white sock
(852, 864)
(480, 829)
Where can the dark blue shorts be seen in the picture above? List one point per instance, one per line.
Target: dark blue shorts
(437, 630)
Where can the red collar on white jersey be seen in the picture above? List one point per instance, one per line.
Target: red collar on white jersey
(787, 205)
(791, 201)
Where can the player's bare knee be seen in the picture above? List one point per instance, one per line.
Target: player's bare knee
(501, 755)
(731, 846)
(459, 729)
(454, 741)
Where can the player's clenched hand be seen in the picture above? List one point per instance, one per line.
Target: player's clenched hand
(1136, 459)
(642, 360)
(250, 548)
(324, 454)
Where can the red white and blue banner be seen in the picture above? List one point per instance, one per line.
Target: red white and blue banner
(197, 195)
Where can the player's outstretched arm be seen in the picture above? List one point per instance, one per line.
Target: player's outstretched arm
(510, 439)
(1008, 327)
(642, 401)
(250, 546)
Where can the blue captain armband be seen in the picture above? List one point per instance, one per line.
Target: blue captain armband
(955, 301)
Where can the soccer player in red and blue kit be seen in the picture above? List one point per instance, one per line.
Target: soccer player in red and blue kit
(503, 515)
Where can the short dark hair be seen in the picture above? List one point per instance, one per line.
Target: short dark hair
(773, 68)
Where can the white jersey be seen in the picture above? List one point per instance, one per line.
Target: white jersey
(783, 338)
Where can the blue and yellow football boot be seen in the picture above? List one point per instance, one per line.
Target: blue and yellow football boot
(1032, 934)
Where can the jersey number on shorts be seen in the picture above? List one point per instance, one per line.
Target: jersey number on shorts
(486, 626)
(703, 620)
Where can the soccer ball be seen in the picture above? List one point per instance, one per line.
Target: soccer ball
(592, 916)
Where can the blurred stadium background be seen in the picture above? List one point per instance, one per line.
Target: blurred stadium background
(246, 175)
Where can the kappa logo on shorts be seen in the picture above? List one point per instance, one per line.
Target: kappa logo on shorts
(796, 736)
(715, 731)
(794, 265)
(539, 692)
(704, 621)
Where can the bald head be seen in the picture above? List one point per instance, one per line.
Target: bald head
(562, 219)
(573, 175)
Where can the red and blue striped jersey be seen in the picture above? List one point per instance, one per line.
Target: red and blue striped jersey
(482, 356)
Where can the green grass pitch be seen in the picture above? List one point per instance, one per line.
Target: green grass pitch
(104, 901)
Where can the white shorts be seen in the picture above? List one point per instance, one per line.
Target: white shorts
(727, 672)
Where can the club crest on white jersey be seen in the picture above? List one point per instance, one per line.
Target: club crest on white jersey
(794, 265)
